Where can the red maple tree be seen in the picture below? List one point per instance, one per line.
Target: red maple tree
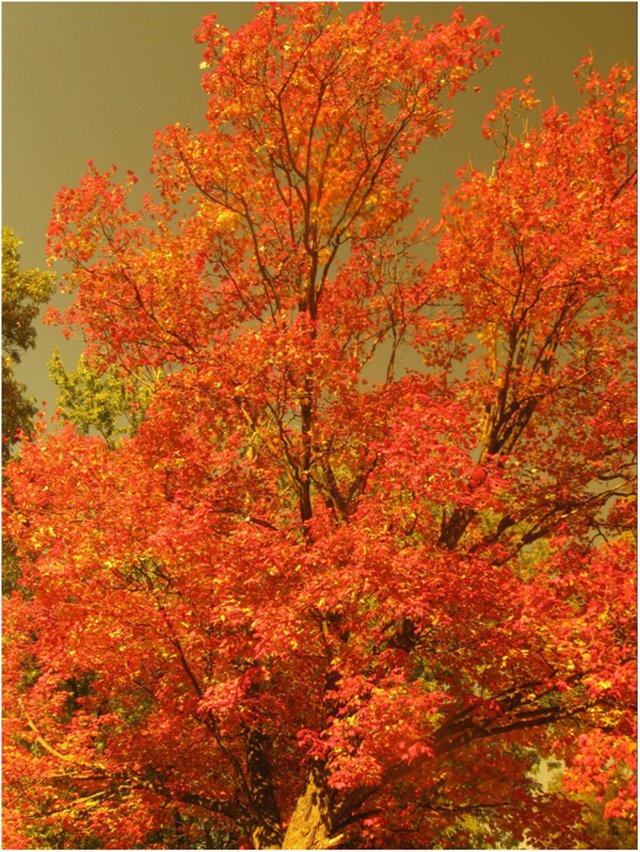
(368, 558)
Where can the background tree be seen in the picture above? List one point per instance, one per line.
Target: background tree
(305, 605)
(100, 399)
(23, 291)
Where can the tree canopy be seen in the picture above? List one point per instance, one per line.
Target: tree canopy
(23, 291)
(368, 557)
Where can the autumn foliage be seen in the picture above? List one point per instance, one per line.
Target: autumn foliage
(368, 557)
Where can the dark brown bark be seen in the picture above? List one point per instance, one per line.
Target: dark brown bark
(453, 527)
(267, 832)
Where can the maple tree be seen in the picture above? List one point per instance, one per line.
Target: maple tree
(301, 606)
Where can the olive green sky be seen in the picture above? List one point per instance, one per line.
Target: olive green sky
(94, 81)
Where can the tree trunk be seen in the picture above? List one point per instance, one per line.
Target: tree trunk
(310, 823)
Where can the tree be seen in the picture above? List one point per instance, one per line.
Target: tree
(22, 293)
(98, 398)
(299, 604)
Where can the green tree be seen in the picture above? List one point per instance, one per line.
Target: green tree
(95, 398)
(23, 291)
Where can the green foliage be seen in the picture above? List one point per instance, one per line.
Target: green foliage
(22, 293)
(99, 399)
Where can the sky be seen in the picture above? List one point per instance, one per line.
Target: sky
(94, 81)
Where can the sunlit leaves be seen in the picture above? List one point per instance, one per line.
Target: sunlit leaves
(309, 563)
